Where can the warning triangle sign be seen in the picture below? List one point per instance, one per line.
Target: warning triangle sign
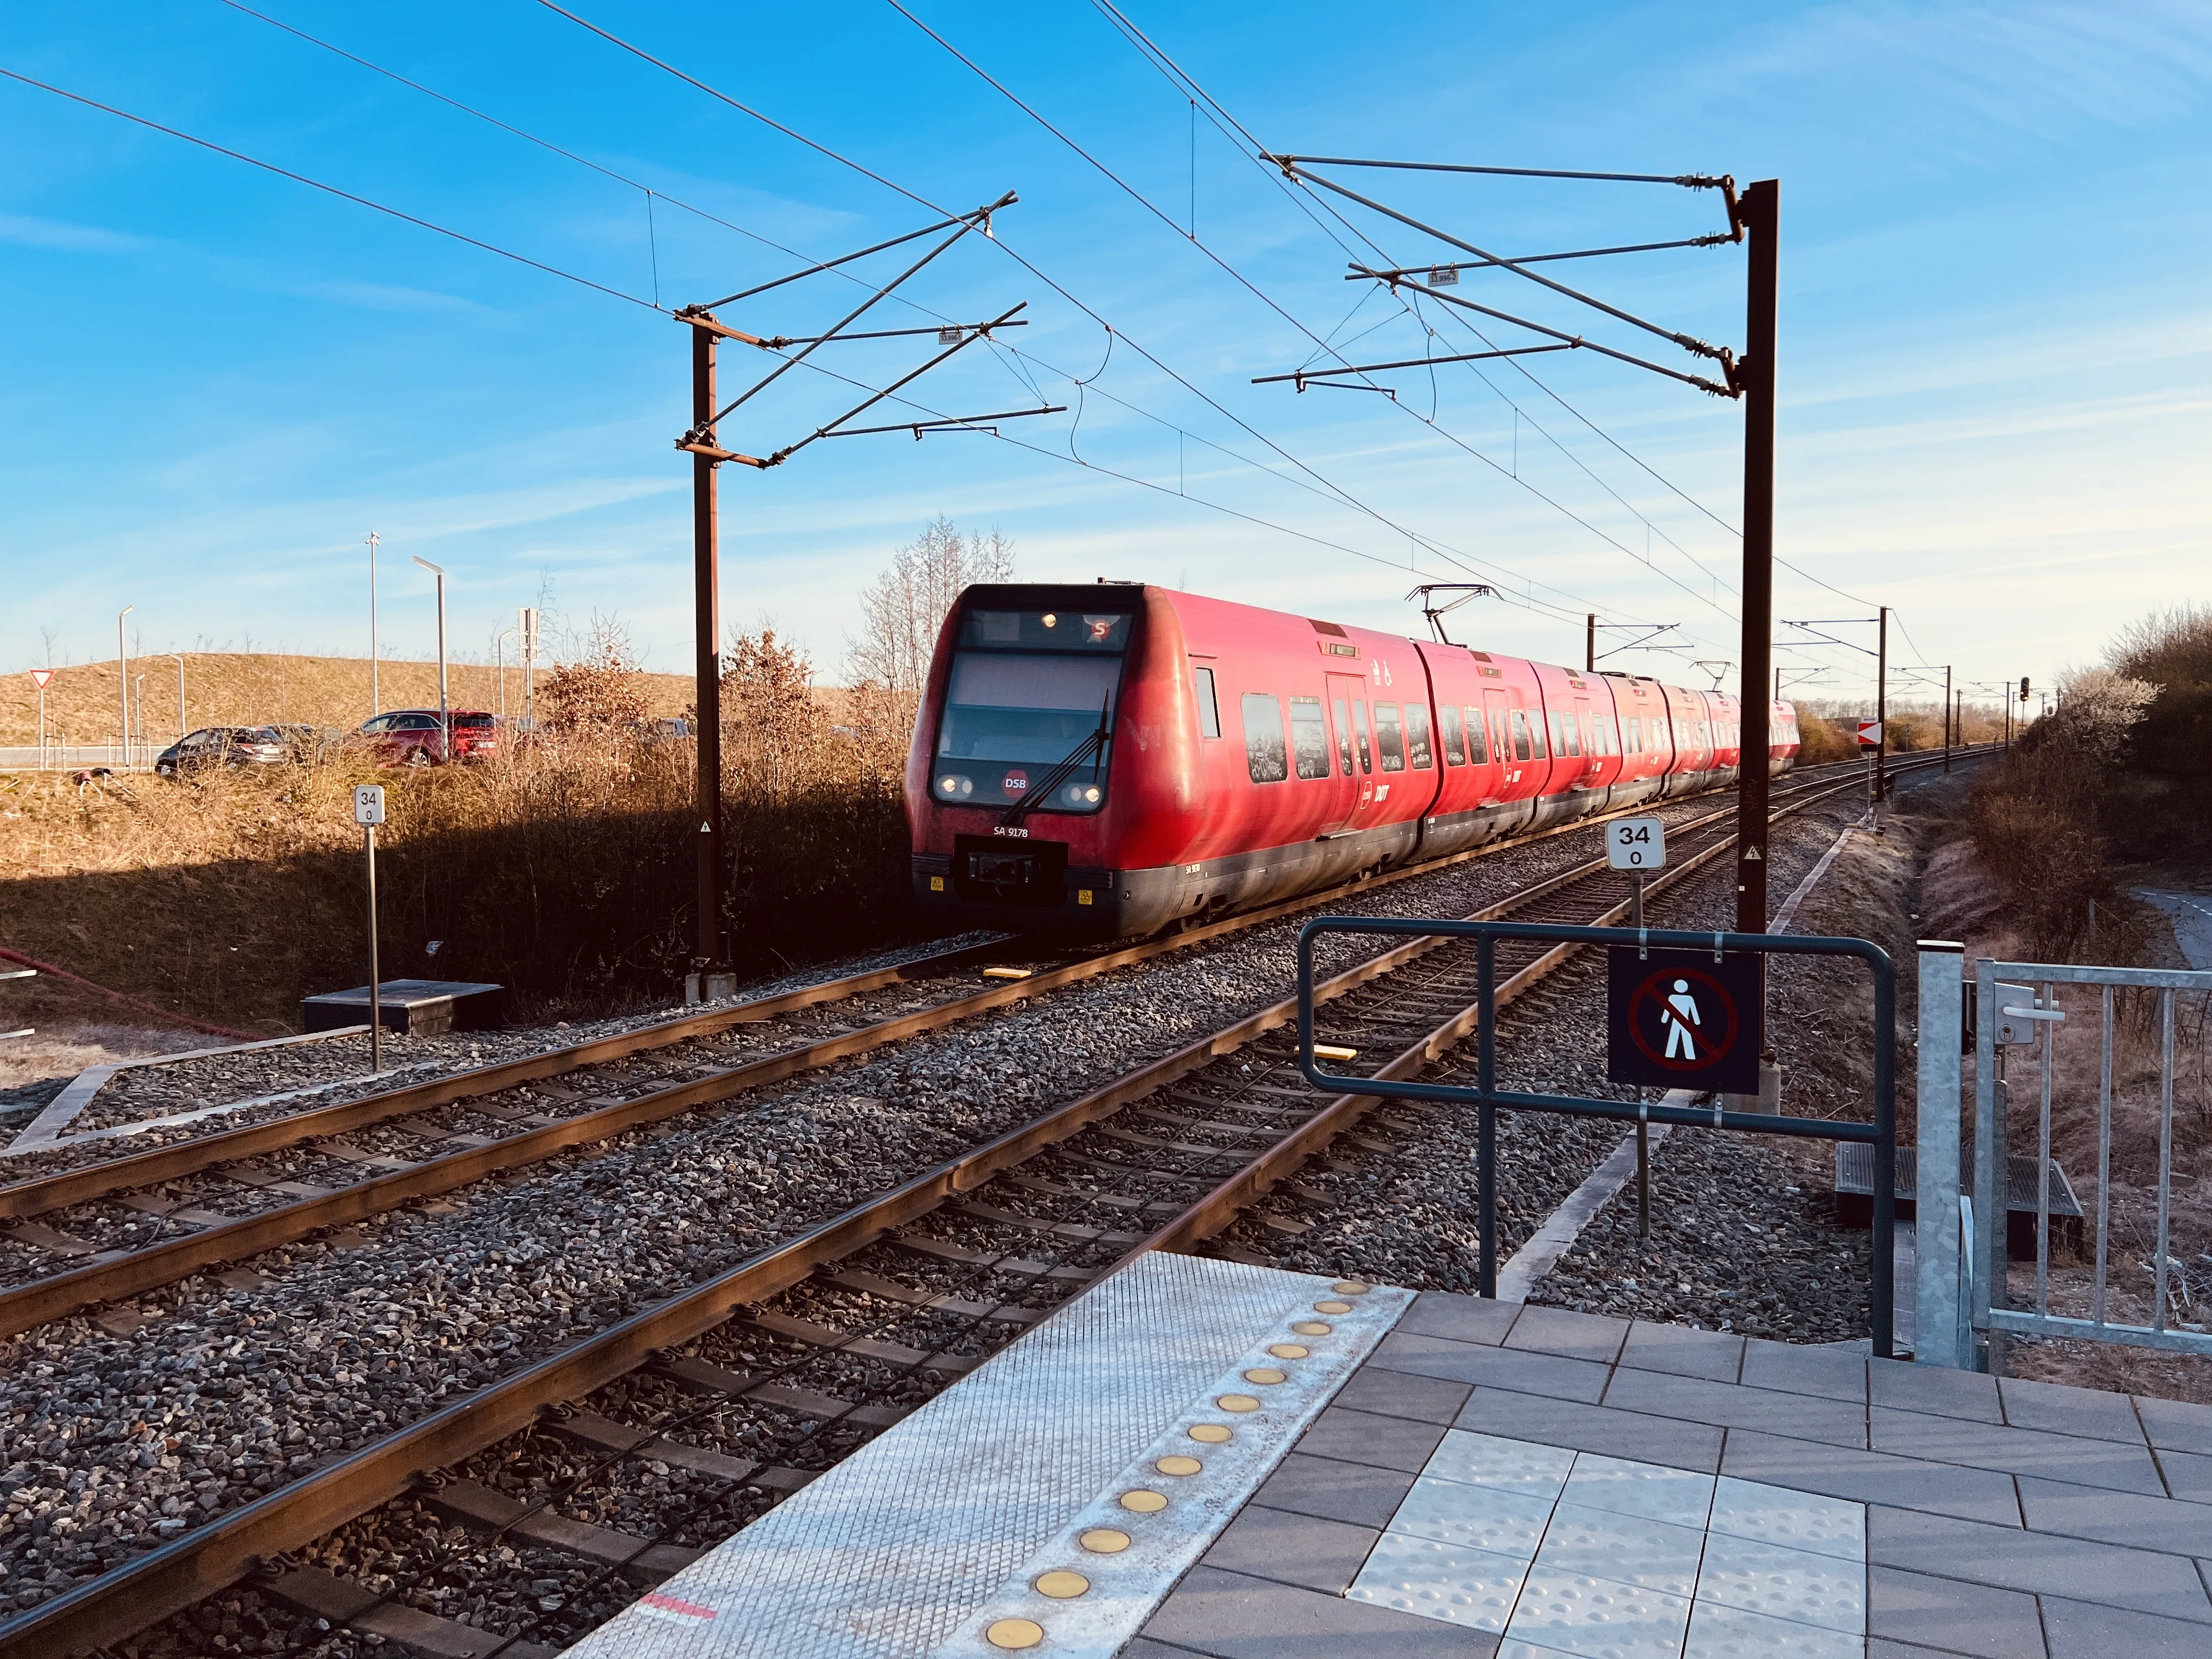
(1751, 856)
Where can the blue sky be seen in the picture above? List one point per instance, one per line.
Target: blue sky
(1995, 322)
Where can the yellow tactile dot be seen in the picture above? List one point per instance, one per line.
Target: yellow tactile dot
(1237, 1402)
(1143, 1502)
(1212, 1434)
(1313, 1327)
(1266, 1376)
(1332, 1307)
(1104, 1540)
(1014, 1633)
(1289, 1350)
(1177, 1463)
(1061, 1585)
(1350, 1287)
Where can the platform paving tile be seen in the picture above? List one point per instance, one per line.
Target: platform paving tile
(1462, 1318)
(1334, 1491)
(1952, 1617)
(2083, 1630)
(1232, 1615)
(2188, 1475)
(1934, 1389)
(2176, 1425)
(1684, 1351)
(1865, 1477)
(1570, 1334)
(1731, 1406)
(1592, 1428)
(1389, 1443)
(1403, 1394)
(2011, 1557)
(2090, 1412)
(2016, 1451)
(1796, 1520)
(1504, 1368)
(2128, 1519)
(1306, 1550)
(1787, 1368)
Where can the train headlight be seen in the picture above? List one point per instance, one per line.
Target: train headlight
(1051, 620)
(1082, 794)
(951, 784)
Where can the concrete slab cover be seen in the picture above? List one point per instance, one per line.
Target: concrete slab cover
(961, 1516)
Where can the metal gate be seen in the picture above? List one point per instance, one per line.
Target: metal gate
(2019, 1008)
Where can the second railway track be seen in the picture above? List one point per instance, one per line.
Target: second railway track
(805, 1349)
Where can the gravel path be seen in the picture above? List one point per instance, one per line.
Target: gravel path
(108, 1443)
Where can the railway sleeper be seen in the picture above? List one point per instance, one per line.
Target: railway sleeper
(860, 1347)
(704, 1376)
(868, 1284)
(946, 1249)
(343, 1602)
(593, 1432)
(486, 1509)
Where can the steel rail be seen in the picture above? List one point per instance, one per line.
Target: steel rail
(173, 1577)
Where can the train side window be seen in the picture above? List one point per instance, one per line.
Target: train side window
(1635, 735)
(1360, 730)
(1478, 737)
(1565, 740)
(1521, 749)
(1309, 738)
(1417, 737)
(1536, 738)
(1390, 737)
(1344, 736)
(1209, 707)
(1455, 735)
(1264, 751)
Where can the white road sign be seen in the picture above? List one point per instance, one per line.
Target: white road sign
(40, 676)
(368, 804)
(1636, 844)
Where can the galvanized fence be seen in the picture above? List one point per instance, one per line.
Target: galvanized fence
(1880, 1135)
(1966, 1301)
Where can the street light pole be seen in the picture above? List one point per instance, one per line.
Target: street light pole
(375, 696)
(445, 710)
(1759, 209)
(499, 656)
(123, 672)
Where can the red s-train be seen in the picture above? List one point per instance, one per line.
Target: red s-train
(1099, 762)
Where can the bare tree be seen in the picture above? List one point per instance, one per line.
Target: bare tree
(902, 611)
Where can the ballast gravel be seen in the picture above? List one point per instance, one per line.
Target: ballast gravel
(110, 1442)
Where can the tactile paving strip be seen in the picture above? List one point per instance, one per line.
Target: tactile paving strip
(945, 1525)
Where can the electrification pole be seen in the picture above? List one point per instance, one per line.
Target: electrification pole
(707, 953)
(1882, 705)
(123, 668)
(1589, 643)
(1760, 211)
(1946, 717)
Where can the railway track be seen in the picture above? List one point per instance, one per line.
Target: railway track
(107, 1231)
(738, 1389)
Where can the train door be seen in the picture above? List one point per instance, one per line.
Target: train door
(1515, 771)
(1343, 784)
(1354, 730)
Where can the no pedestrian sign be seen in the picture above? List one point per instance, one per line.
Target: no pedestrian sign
(1679, 1019)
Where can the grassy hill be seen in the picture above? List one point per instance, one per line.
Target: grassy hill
(230, 687)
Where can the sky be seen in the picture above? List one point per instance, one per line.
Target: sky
(1995, 332)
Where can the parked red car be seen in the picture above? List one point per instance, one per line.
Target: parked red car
(415, 737)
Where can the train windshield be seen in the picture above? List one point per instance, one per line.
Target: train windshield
(1013, 713)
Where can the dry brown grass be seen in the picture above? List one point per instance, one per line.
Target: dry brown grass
(564, 869)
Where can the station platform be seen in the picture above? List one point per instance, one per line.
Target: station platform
(1201, 1457)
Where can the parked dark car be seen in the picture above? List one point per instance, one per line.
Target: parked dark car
(415, 737)
(307, 744)
(222, 745)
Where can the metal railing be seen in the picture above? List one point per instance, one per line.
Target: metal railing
(2018, 1005)
(1881, 1134)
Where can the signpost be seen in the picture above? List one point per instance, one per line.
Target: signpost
(1639, 846)
(368, 812)
(39, 677)
(1869, 734)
